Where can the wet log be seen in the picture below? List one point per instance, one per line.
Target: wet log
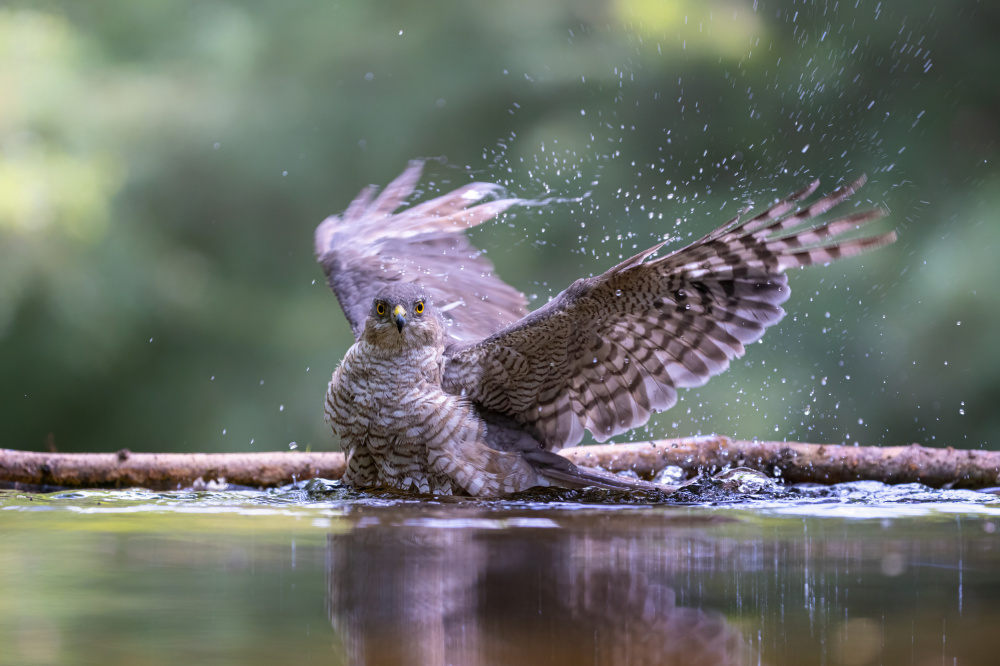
(796, 462)
(793, 461)
(165, 471)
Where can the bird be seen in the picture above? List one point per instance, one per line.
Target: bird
(453, 387)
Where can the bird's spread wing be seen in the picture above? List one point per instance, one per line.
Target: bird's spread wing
(368, 247)
(612, 349)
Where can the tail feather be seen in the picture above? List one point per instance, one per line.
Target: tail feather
(564, 473)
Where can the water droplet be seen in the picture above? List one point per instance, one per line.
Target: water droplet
(281, 408)
(293, 445)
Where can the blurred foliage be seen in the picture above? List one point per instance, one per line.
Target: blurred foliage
(162, 167)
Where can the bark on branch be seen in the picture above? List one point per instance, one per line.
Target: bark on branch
(800, 463)
(165, 471)
(793, 461)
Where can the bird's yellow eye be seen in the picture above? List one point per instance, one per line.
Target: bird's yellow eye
(380, 309)
(419, 307)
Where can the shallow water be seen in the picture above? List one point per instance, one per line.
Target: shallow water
(858, 574)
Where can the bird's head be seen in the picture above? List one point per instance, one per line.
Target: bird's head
(402, 317)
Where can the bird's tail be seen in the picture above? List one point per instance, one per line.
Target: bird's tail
(562, 472)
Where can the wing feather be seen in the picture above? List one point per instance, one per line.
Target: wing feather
(612, 349)
(371, 245)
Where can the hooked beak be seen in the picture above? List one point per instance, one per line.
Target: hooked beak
(399, 314)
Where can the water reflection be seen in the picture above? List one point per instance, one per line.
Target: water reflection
(174, 578)
(669, 586)
(432, 591)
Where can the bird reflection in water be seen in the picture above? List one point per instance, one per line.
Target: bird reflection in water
(444, 591)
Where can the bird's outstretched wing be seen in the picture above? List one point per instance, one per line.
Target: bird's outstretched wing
(369, 246)
(610, 350)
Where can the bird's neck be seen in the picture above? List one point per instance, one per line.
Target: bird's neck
(418, 361)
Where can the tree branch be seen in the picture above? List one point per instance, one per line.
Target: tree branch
(792, 461)
(798, 462)
(165, 471)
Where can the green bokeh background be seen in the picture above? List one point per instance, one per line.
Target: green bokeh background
(163, 165)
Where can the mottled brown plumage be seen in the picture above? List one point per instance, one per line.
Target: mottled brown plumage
(452, 388)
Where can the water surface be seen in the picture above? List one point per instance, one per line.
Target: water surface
(861, 574)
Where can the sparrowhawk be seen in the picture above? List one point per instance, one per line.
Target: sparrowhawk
(452, 387)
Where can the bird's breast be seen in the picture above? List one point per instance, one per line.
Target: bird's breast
(379, 393)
